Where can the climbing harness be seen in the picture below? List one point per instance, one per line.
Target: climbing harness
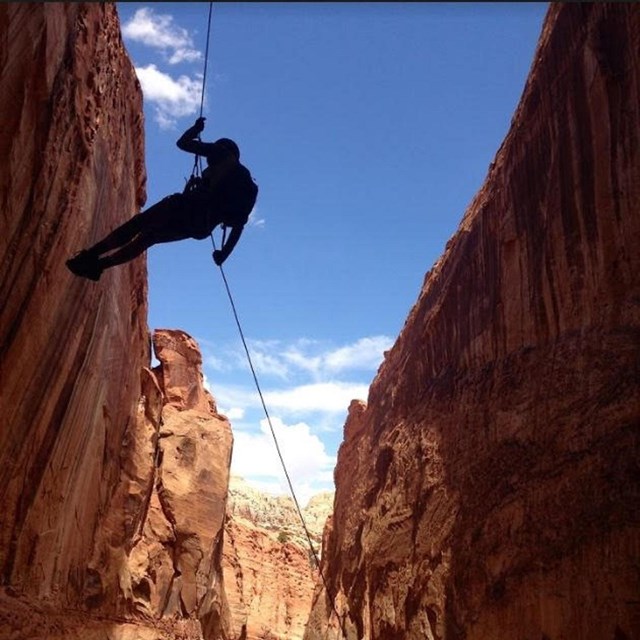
(193, 180)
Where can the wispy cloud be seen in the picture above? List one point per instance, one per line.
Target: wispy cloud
(327, 397)
(255, 220)
(172, 97)
(304, 357)
(235, 413)
(267, 362)
(158, 31)
(365, 353)
(309, 385)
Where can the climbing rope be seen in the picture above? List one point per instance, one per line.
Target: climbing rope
(206, 57)
(197, 168)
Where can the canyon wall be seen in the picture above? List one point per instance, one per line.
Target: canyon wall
(71, 350)
(277, 513)
(490, 487)
(269, 583)
(113, 476)
(172, 498)
(269, 571)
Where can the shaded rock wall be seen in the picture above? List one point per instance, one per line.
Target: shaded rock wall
(113, 477)
(490, 488)
(155, 569)
(71, 154)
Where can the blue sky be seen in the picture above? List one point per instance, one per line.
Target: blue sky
(368, 127)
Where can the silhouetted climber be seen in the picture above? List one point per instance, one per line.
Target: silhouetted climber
(224, 194)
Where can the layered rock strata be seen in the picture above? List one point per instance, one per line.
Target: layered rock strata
(268, 581)
(269, 570)
(490, 488)
(278, 513)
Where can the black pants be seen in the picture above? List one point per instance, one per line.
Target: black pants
(176, 217)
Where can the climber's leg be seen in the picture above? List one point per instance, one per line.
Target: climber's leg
(164, 225)
(130, 251)
(163, 222)
(119, 237)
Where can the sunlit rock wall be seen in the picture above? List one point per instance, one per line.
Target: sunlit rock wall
(268, 581)
(174, 492)
(269, 570)
(490, 488)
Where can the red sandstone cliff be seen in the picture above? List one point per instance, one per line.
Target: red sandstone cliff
(71, 154)
(269, 575)
(491, 486)
(173, 496)
(269, 583)
(113, 477)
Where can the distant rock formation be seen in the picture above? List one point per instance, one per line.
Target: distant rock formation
(277, 513)
(269, 570)
(490, 488)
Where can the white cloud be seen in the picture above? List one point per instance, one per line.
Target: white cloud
(266, 363)
(301, 384)
(308, 363)
(172, 98)
(365, 353)
(235, 396)
(217, 364)
(304, 357)
(235, 413)
(310, 468)
(185, 55)
(330, 397)
(159, 32)
(254, 220)
(321, 397)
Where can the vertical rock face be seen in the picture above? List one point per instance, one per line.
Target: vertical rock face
(72, 167)
(269, 571)
(491, 487)
(113, 477)
(175, 499)
(155, 568)
(269, 583)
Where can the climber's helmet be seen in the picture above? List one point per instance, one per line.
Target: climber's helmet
(228, 146)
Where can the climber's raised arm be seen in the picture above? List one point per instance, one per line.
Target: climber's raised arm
(189, 142)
